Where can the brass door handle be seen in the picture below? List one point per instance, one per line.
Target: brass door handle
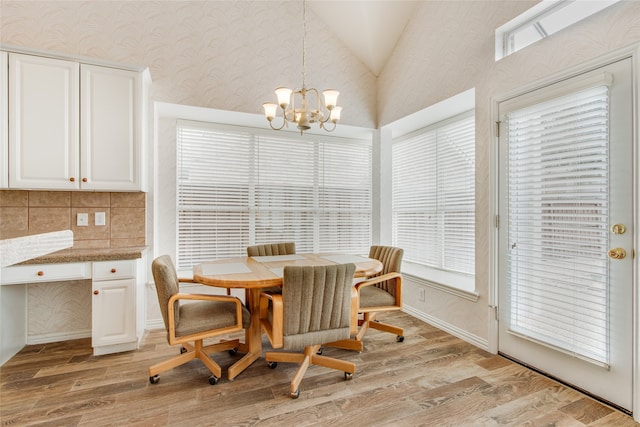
(617, 253)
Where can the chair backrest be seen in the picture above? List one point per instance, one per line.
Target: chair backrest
(167, 285)
(391, 259)
(317, 303)
(270, 249)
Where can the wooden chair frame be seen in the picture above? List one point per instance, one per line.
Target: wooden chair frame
(370, 313)
(310, 356)
(198, 350)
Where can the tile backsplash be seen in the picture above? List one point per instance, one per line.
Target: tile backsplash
(42, 211)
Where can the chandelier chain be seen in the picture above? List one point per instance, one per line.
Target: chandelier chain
(304, 41)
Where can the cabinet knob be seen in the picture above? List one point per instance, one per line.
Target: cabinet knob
(72, 179)
(84, 179)
(96, 292)
(40, 273)
(113, 270)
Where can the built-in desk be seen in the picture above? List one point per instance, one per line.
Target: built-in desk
(116, 297)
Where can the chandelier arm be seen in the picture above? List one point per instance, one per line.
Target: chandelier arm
(323, 126)
(284, 122)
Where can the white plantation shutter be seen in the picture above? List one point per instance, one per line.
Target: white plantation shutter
(558, 228)
(213, 194)
(238, 187)
(345, 197)
(285, 196)
(434, 195)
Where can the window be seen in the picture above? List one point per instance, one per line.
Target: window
(543, 20)
(433, 176)
(242, 186)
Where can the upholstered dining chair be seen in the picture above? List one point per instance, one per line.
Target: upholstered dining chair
(377, 294)
(191, 318)
(270, 249)
(314, 308)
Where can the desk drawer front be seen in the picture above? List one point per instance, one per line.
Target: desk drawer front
(110, 270)
(45, 273)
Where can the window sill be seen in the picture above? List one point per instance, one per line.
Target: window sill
(437, 279)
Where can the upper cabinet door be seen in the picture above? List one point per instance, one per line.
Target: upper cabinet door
(4, 119)
(43, 117)
(111, 132)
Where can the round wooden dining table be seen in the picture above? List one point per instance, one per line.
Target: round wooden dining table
(256, 273)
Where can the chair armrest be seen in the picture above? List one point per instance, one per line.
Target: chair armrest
(379, 279)
(185, 280)
(201, 297)
(273, 329)
(383, 278)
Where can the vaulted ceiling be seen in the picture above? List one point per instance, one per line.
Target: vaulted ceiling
(370, 28)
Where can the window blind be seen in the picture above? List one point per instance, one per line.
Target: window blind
(558, 222)
(239, 187)
(433, 182)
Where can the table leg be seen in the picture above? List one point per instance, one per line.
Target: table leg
(253, 336)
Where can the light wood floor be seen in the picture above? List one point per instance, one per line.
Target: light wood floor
(431, 379)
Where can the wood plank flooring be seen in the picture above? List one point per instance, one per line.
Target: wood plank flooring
(431, 379)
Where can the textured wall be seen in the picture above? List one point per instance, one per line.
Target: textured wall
(433, 62)
(228, 55)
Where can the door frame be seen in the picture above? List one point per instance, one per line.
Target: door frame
(632, 52)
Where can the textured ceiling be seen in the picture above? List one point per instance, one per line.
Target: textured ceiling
(370, 28)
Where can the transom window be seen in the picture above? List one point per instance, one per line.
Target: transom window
(542, 20)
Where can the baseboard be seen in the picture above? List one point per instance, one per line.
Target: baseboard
(154, 324)
(115, 348)
(64, 336)
(447, 327)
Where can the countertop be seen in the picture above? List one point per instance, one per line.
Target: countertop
(86, 255)
(15, 249)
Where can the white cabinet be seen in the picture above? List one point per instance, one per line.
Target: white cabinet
(36, 273)
(113, 310)
(74, 126)
(43, 122)
(110, 150)
(4, 120)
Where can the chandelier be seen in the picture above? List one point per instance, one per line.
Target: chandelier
(297, 105)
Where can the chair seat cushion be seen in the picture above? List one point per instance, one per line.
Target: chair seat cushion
(300, 341)
(206, 315)
(372, 296)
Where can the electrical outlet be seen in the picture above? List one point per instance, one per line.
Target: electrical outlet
(82, 220)
(100, 218)
(421, 294)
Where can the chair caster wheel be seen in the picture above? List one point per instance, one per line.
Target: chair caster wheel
(183, 350)
(233, 351)
(348, 376)
(295, 394)
(213, 380)
(272, 365)
(400, 338)
(154, 379)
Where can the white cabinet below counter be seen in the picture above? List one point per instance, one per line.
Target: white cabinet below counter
(113, 308)
(117, 303)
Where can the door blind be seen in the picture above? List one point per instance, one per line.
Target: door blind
(558, 223)
(434, 196)
(239, 187)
